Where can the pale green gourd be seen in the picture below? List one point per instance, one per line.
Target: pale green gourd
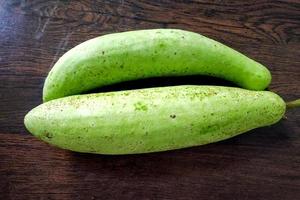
(152, 120)
(140, 54)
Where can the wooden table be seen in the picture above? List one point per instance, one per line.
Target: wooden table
(261, 164)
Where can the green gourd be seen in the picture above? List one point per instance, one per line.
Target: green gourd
(140, 54)
(154, 119)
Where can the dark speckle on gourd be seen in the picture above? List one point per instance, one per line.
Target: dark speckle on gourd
(48, 135)
(173, 116)
(139, 106)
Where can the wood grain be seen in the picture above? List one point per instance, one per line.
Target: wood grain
(262, 164)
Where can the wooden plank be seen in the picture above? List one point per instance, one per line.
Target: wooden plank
(262, 164)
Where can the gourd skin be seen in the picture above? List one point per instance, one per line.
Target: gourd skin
(132, 55)
(152, 120)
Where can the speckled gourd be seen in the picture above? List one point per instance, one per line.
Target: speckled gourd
(154, 119)
(140, 54)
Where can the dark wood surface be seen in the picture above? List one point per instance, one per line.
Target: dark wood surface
(261, 164)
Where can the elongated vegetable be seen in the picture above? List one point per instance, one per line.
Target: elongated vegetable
(151, 120)
(133, 55)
